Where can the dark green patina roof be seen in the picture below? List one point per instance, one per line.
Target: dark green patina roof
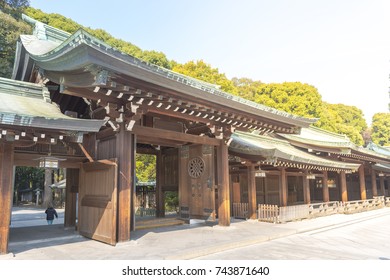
(29, 105)
(322, 140)
(275, 152)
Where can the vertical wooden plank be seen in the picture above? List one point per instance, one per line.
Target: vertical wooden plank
(325, 188)
(373, 183)
(251, 192)
(6, 173)
(343, 187)
(72, 184)
(283, 187)
(382, 185)
(236, 193)
(362, 183)
(183, 183)
(306, 188)
(125, 153)
(223, 185)
(160, 209)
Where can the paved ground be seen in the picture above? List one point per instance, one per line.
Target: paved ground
(38, 241)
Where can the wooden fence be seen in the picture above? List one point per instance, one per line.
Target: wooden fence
(324, 208)
(268, 213)
(276, 214)
(240, 210)
(356, 206)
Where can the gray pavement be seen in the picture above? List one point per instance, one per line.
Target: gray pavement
(39, 241)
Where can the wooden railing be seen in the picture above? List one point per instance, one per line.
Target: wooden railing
(142, 212)
(387, 201)
(324, 208)
(240, 210)
(275, 214)
(363, 205)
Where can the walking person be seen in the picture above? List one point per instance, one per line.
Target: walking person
(50, 213)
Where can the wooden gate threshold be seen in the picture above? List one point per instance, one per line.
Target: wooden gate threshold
(158, 222)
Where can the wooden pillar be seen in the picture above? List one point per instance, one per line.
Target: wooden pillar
(223, 185)
(325, 188)
(125, 153)
(6, 173)
(343, 187)
(47, 192)
(362, 182)
(373, 183)
(160, 203)
(382, 185)
(72, 188)
(283, 187)
(252, 207)
(306, 188)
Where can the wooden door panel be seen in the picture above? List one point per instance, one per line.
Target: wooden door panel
(197, 187)
(97, 201)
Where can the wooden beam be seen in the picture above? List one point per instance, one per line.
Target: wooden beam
(175, 136)
(306, 188)
(362, 183)
(382, 185)
(252, 192)
(6, 175)
(72, 185)
(160, 207)
(223, 185)
(325, 188)
(283, 187)
(343, 187)
(125, 153)
(373, 183)
(89, 94)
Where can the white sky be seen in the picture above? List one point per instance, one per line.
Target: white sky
(342, 47)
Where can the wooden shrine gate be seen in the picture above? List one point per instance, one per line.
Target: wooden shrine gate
(97, 214)
(197, 182)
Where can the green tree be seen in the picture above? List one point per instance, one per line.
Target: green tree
(10, 30)
(381, 129)
(343, 119)
(204, 72)
(14, 8)
(145, 167)
(292, 97)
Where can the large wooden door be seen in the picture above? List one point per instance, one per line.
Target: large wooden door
(98, 201)
(197, 182)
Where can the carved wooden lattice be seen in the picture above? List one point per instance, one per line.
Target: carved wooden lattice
(196, 167)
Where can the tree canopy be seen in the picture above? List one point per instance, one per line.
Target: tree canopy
(204, 72)
(10, 30)
(380, 131)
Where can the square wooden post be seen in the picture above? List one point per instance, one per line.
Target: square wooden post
(343, 187)
(283, 187)
(325, 188)
(72, 187)
(362, 182)
(373, 183)
(306, 188)
(6, 175)
(160, 203)
(382, 185)
(223, 185)
(125, 153)
(252, 207)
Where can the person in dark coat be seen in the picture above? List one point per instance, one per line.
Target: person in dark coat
(50, 213)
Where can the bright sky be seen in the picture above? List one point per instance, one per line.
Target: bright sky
(342, 47)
